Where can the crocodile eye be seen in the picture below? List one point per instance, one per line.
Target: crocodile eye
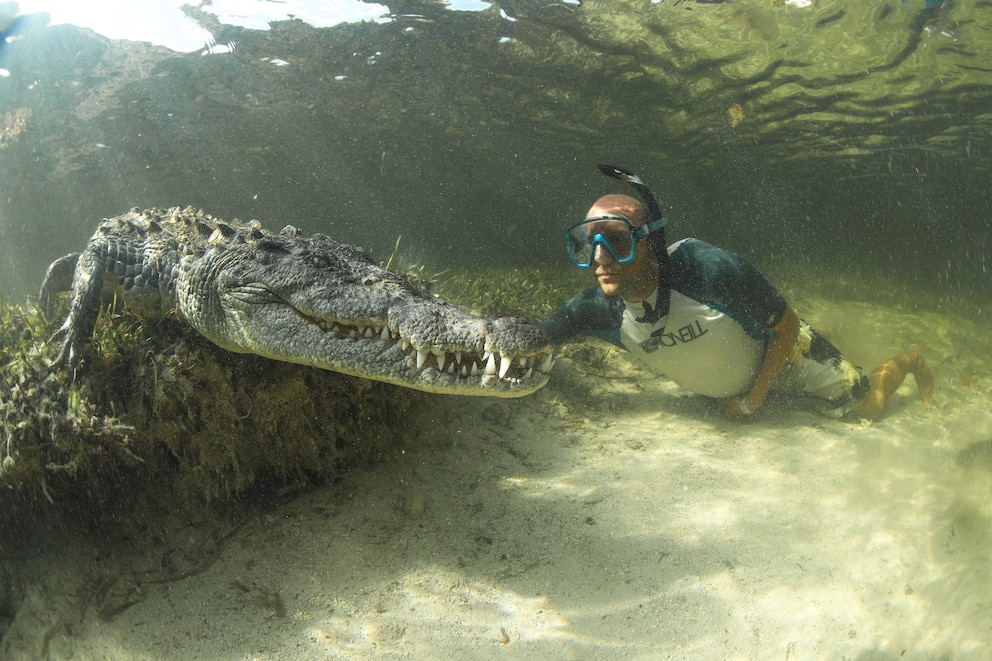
(320, 262)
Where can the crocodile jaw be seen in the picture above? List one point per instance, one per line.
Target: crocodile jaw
(469, 360)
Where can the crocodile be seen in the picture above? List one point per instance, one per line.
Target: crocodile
(290, 297)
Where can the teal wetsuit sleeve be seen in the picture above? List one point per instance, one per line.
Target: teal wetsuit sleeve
(729, 283)
(589, 313)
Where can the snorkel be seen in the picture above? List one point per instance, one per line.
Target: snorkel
(650, 201)
(656, 238)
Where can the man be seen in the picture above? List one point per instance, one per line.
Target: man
(707, 318)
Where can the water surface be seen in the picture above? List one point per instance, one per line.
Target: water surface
(848, 135)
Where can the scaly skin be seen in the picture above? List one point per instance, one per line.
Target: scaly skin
(301, 299)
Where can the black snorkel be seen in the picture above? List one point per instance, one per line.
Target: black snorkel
(656, 238)
(650, 201)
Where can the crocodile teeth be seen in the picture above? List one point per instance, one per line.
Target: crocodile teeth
(523, 361)
(421, 358)
(369, 332)
(440, 362)
(546, 365)
(464, 371)
(475, 369)
(491, 364)
(504, 365)
(458, 356)
(384, 335)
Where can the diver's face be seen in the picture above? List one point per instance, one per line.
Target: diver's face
(633, 281)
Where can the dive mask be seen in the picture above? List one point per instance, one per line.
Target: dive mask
(614, 234)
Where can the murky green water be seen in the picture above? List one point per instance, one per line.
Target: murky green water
(849, 135)
(845, 147)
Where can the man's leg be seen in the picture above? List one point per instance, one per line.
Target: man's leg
(886, 379)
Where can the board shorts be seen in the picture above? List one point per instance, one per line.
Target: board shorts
(818, 369)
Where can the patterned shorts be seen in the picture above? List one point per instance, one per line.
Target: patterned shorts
(818, 369)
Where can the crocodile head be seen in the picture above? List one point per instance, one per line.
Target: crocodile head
(314, 301)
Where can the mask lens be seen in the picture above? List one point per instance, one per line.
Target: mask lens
(613, 234)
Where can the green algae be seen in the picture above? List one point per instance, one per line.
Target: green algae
(157, 410)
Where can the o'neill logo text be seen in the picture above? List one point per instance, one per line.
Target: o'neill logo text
(660, 338)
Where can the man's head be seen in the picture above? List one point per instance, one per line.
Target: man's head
(633, 280)
(620, 205)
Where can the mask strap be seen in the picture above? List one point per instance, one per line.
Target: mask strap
(650, 227)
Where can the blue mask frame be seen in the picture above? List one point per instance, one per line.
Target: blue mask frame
(582, 248)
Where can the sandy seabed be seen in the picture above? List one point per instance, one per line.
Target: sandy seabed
(610, 515)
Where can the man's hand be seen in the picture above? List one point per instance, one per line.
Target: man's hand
(736, 407)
